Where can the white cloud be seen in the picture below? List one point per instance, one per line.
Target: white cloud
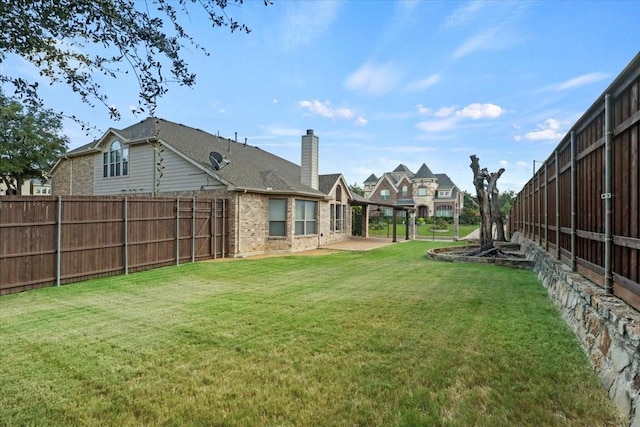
(424, 83)
(445, 111)
(275, 100)
(503, 163)
(325, 109)
(549, 130)
(373, 79)
(307, 21)
(437, 125)
(448, 117)
(361, 121)
(276, 130)
(481, 111)
(462, 15)
(422, 109)
(582, 80)
(487, 40)
(517, 138)
(522, 164)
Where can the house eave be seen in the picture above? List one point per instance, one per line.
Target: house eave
(272, 192)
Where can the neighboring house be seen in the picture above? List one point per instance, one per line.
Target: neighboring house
(424, 192)
(36, 187)
(274, 204)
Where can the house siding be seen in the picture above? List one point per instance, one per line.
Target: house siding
(152, 172)
(180, 175)
(138, 181)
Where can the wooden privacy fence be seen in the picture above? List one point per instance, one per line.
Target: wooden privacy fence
(582, 204)
(55, 240)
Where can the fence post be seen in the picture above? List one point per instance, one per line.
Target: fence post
(546, 205)
(606, 196)
(59, 241)
(557, 202)
(215, 228)
(193, 229)
(126, 235)
(574, 201)
(178, 230)
(539, 198)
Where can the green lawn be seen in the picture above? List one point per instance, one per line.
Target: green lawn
(379, 338)
(426, 231)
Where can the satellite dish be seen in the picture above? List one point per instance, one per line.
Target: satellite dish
(217, 160)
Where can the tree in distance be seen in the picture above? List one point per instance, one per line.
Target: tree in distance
(30, 142)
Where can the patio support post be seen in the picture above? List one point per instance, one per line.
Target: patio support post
(407, 224)
(395, 222)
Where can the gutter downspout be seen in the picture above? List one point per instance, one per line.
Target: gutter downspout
(606, 196)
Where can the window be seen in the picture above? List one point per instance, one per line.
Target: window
(305, 217)
(385, 194)
(115, 162)
(444, 210)
(443, 194)
(405, 191)
(277, 217)
(422, 191)
(337, 217)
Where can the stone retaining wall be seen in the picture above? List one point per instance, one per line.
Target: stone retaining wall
(608, 329)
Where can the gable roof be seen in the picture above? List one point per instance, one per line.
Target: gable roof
(372, 178)
(250, 168)
(444, 182)
(328, 182)
(403, 168)
(424, 172)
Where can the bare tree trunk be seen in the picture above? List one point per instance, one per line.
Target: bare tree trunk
(486, 235)
(496, 215)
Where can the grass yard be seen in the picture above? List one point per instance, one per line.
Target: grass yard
(424, 231)
(379, 338)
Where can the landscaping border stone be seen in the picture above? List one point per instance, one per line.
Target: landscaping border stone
(455, 254)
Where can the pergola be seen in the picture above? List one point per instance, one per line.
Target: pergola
(400, 205)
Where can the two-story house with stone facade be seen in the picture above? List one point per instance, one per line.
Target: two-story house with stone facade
(274, 205)
(425, 193)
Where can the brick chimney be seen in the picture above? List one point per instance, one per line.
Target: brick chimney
(309, 161)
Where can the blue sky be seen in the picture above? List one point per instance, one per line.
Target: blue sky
(389, 82)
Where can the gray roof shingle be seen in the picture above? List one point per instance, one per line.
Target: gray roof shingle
(249, 167)
(424, 172)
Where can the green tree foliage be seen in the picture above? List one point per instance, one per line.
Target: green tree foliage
(356, 189)
(470, 213)
(30, 141)
(142, 37)
(506, 200)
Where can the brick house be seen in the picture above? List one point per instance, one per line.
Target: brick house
(274, 205)
(425, 193)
